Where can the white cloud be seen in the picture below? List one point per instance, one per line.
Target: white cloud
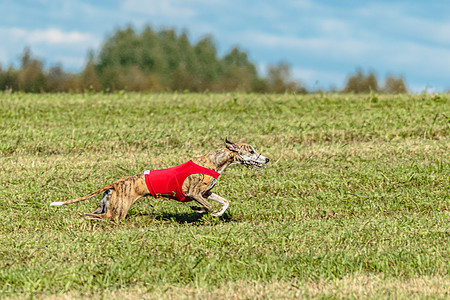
(57, 36)
(49, 36)
(66, 47)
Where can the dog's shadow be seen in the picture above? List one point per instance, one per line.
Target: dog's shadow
(182, 218)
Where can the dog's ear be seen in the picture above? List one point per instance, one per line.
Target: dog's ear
(231, 146)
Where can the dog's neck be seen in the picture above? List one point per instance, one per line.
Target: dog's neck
(217, 160)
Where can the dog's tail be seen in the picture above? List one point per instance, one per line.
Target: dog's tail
(107, 187)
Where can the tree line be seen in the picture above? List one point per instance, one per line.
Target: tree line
(165, 60)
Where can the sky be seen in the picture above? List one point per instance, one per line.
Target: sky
(323, 41)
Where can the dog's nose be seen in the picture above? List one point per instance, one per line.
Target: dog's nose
(267, 160)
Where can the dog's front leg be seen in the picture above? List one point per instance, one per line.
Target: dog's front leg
(206, 206)
(223, 201)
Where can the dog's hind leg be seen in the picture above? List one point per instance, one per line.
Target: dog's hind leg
(100, 212)
(223, 201)
(114, 205)
(101, 209)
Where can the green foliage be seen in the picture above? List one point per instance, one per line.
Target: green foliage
(9, 80)
(356, 192)
(31, 77)
(361, 83)
(395, 85)
(239, 74)
(166, 60)
(279, 80)
(177, 64)
(155, 61)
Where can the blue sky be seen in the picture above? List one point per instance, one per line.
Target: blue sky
(323, 41)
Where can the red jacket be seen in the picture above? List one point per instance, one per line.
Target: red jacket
(168, 182)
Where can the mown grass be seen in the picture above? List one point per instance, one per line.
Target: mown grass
(354, 203)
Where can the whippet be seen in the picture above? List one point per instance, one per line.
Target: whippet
(190, 181)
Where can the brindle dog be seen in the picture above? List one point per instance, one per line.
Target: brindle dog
(119, 196)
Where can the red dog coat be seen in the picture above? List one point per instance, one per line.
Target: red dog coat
(168, 182)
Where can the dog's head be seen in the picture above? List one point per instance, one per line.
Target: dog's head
(246, 154)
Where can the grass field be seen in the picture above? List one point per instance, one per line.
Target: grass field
(354, 203)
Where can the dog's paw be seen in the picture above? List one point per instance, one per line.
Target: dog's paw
(199, 209)
(218, 213)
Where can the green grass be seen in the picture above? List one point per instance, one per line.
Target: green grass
(354, 203)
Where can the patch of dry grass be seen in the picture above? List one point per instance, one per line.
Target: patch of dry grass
(353, 287)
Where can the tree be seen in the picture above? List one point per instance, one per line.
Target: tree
(25, 59)
(395, 85)
(151, 54)
(9, 79)
(209, 69)
(31, 76)
(239, 73)
(279, 79)
(361, 83)
(117, 53)
(89, 79)
(57, 79)
(186, 75)
(167, 60)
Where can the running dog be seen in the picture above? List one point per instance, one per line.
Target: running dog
(190, 181)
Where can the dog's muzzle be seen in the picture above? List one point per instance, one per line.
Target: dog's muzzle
(256, 164)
